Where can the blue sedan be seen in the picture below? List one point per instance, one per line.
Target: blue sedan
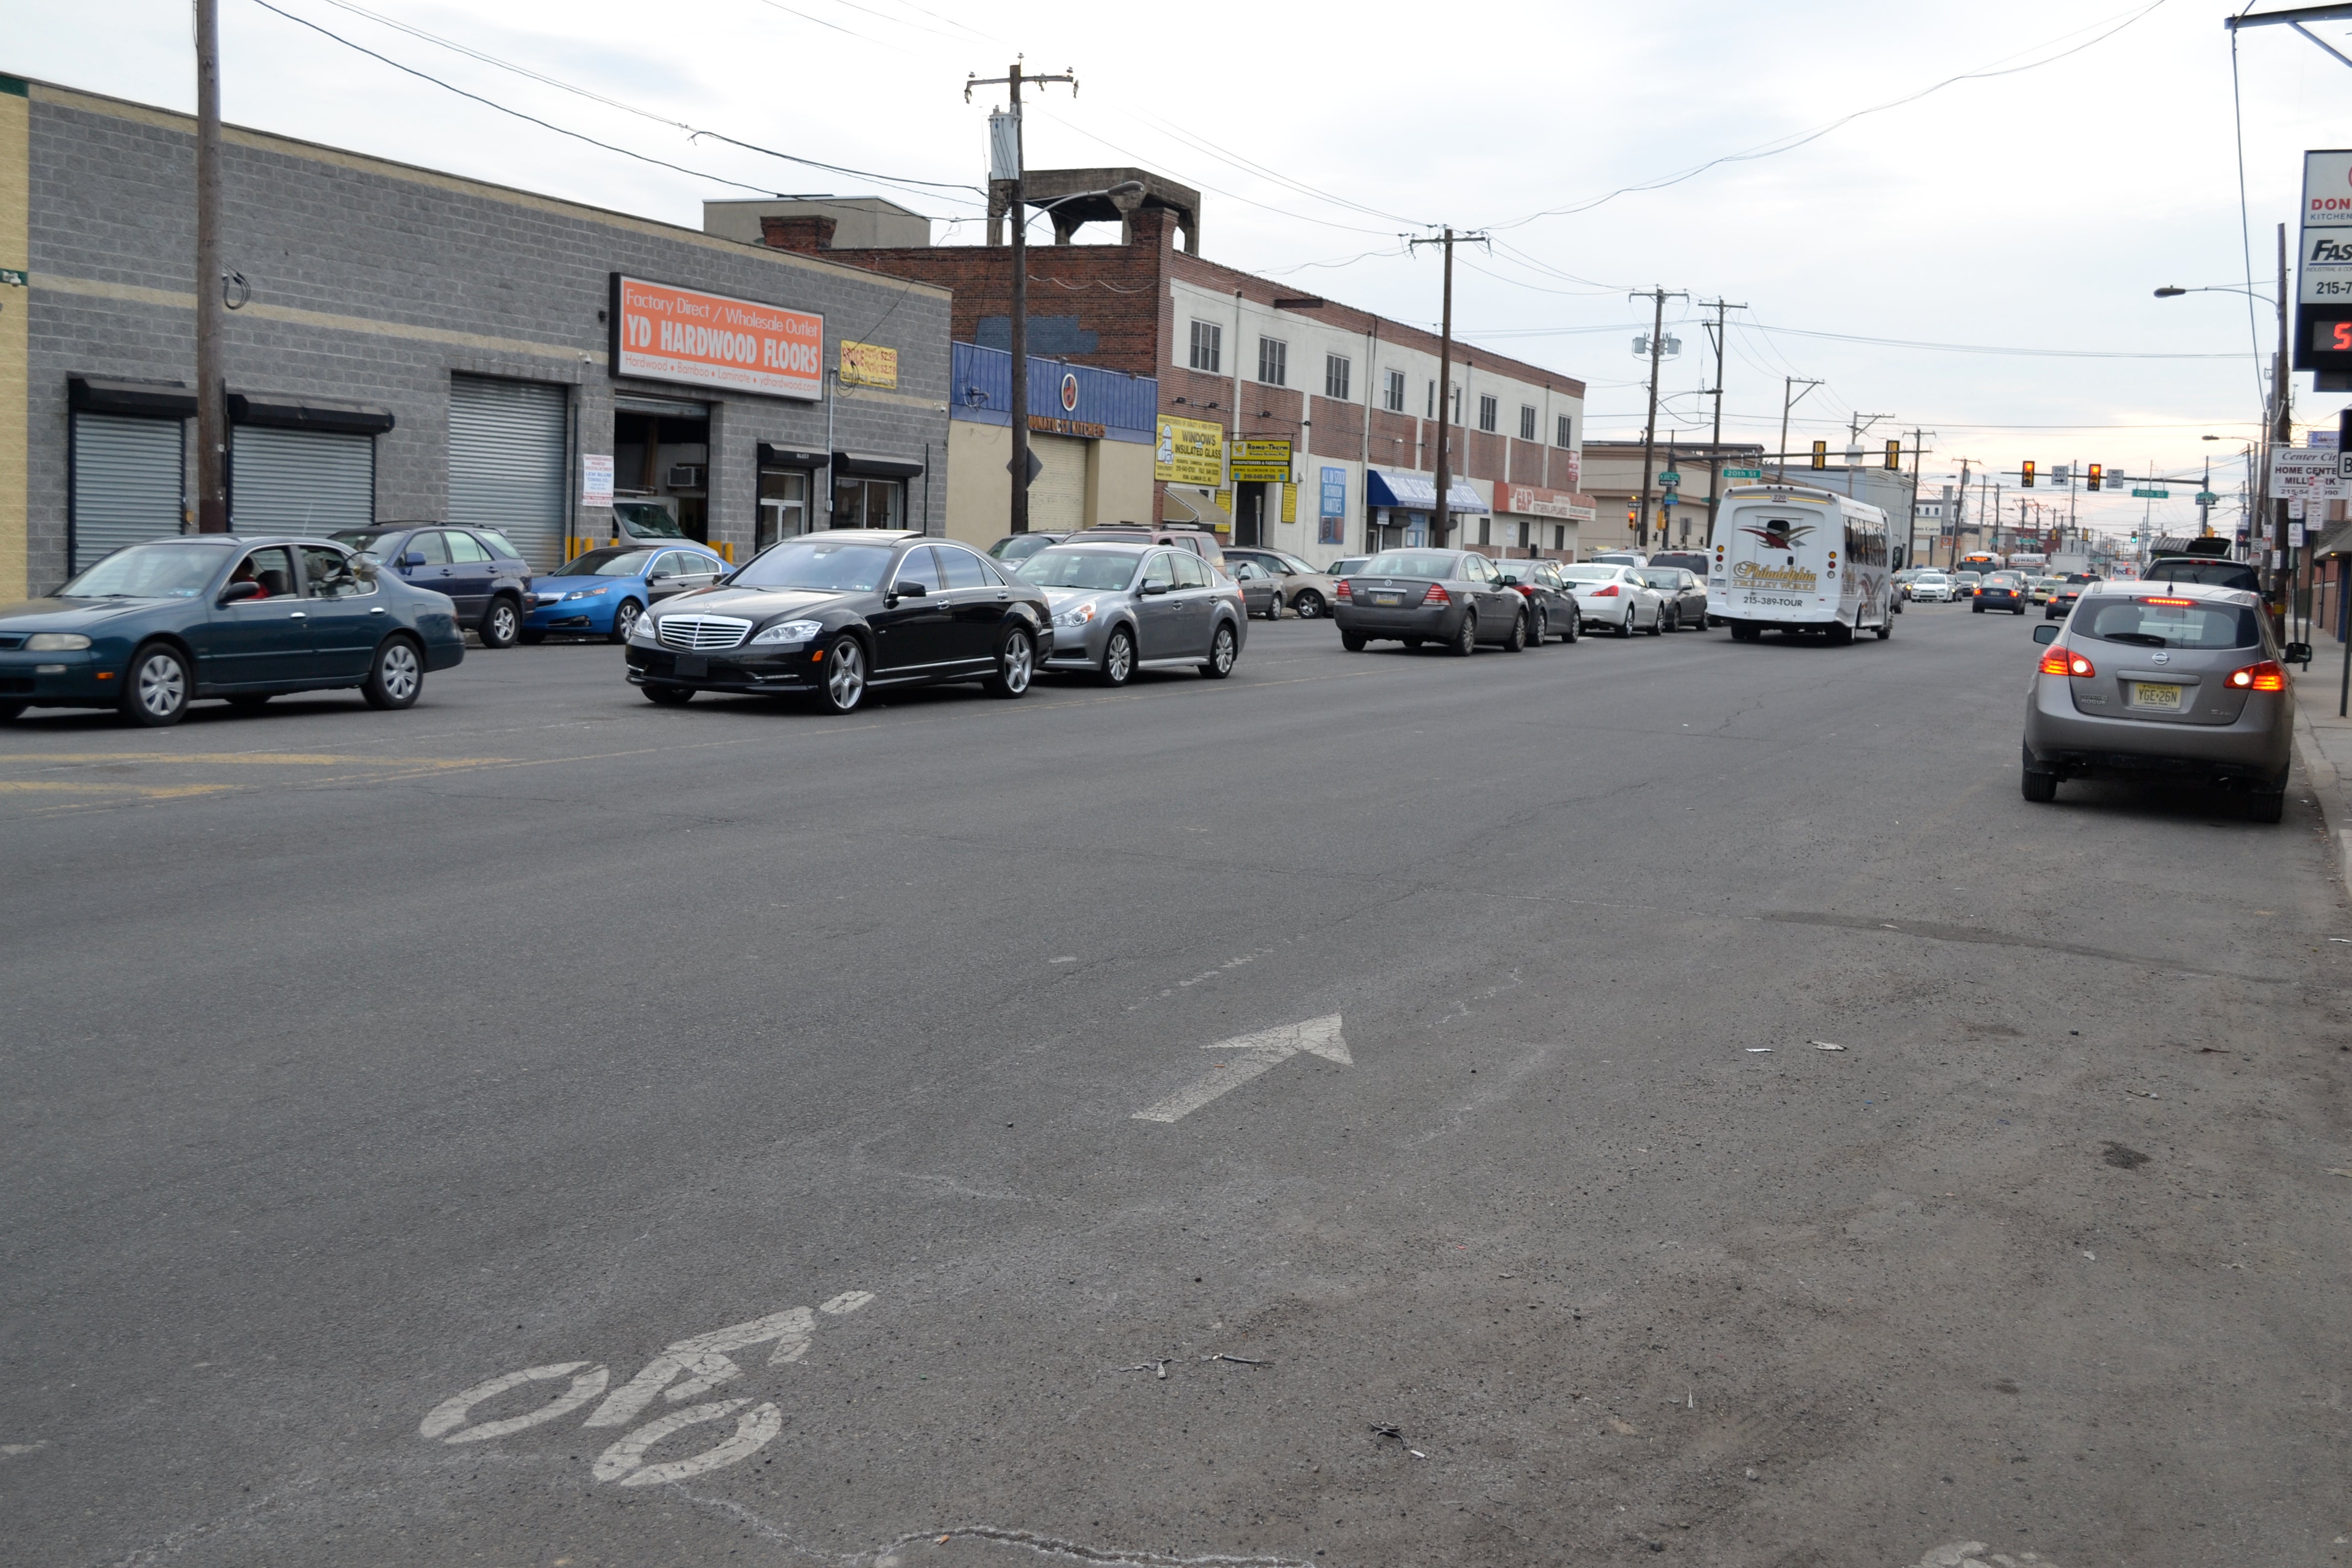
(154, 626)
(601, 592)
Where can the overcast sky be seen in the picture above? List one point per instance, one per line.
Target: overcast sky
(2032, 210)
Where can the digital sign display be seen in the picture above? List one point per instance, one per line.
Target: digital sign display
(2322, 338)
(2331, 337)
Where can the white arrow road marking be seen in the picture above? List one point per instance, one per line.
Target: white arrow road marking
(1256, 1054)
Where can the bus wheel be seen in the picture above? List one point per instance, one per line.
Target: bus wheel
(1839, 634)
(1886, 628)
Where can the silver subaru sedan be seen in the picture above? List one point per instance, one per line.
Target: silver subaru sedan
(2164, 681)
(1119, 607)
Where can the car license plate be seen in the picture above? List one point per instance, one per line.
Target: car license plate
(1388, 599)
(2149, 694)
(691, 663)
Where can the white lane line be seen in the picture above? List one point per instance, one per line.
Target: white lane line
(1254, 1055)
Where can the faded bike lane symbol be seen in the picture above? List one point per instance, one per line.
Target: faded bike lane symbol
(691, 1366)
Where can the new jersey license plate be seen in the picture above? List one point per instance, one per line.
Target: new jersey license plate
(1388, 599)
(2150, 694)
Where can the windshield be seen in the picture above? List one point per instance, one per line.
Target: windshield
(606, 562)
(812, 563)
(1097, 569)
(1589, 574)
(2166, 622)
(1410, 563)
(1020, 547)
(2005, 580)
(645, 519)
(1931, 577)
(148, 571)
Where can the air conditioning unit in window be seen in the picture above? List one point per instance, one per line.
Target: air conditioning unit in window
(690, 476)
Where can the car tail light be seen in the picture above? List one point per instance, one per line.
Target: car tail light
(2066, 661)
(1340, 589)
(2177, 603)
(2266, 676)
(1527, 591)
(1437, 595)
(1608, 593)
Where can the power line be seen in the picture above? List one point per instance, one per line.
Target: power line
(1880, 343)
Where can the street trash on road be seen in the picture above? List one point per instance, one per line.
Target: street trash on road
(1825, 1045)
(1760, 1050)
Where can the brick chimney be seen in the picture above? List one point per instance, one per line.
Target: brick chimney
(1148, 226)
(798, 233)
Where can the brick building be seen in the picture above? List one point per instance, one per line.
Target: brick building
(410, 344)
(1240, 359)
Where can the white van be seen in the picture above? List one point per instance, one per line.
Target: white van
(1791, 558)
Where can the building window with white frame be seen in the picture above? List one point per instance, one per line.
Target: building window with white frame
(1489, 413)
(1336, 369)
(1566, 430)
(1274, 361)
(1396, 392)
(1208, 346)
(1526, 421)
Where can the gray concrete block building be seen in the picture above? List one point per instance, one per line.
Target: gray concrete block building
(409, 344)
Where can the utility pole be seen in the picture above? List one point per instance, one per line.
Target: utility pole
(1960, 509)
(212, 374)
(1714, 463)
(1911, 533)
(2281, 433)
(1788, 384)
(1650, 431)
(1441, 520)
(1019, 323)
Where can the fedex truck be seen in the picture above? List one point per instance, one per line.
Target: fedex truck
(1791, 558)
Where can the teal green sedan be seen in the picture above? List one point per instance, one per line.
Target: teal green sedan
(154, 626)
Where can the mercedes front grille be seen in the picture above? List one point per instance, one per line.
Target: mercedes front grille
(697, 633)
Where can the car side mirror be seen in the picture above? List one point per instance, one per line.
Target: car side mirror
(1152, 588)
(660, 577)
(236, 592)
(2296, 653)
(909, 591)
(2045, 634)
(414, 558)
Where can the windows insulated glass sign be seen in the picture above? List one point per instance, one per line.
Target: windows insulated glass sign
(664, 333)
(2322, 338)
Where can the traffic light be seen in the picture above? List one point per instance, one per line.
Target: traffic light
(2026, 478)
(2097, 473)
(1821, 453)
(1894, 457)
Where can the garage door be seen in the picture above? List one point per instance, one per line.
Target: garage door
(1058, 498)
(507, 462)
(126, 483)
(300, 481)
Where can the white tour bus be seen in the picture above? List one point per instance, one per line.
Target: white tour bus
(1793, 558)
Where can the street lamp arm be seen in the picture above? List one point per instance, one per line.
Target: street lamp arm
(2174, 291)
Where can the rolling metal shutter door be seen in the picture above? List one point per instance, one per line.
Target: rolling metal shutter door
(1057, 499)
(300, 481)
(126, 483)
(507, 462)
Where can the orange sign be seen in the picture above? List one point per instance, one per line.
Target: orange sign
(663, 332)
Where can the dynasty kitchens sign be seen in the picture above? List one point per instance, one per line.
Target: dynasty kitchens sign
(663, 332)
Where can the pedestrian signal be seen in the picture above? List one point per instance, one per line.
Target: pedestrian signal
(2026, 477)
(1821, 453)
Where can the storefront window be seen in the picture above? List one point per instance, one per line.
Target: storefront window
(868, 503)
(783, 505)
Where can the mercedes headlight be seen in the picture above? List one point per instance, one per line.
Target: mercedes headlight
(646, 632)
(1076, 615)
(588, 593)
(56, 642)
(790, 632)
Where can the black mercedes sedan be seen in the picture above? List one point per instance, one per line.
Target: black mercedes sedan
(837, 614)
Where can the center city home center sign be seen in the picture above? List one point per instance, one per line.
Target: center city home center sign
(663, 332)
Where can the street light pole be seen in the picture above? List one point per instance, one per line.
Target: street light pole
(211, 375)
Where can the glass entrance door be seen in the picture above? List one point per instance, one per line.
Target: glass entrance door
(783, 506)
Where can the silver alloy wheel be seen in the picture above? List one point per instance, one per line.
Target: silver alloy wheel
(845, 677)
(504, 623)
(1307, 607)
(163, 684)
(1016, 663)
(1543, 627)
(1274, 610)
(401, 675)
(1221, 652)
(1119, 659)
(624, 619)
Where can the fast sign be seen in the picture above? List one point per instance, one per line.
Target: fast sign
(2323, 336)
(664, 333)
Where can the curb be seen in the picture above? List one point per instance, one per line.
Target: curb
(2327, 787)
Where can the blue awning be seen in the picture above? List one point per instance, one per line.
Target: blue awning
(1405, 491)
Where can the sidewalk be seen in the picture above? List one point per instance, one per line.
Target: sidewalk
(2322, 755)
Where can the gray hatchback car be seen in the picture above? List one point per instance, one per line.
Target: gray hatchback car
(1456, 598)
(1117, 607)
(2166, 681)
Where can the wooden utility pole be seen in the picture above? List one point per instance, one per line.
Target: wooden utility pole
(1020, 322)
(1714, 463)
(1658, 297)
(1441, 520)
(212, 374)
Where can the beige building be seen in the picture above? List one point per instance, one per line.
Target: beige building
(1092, 433)
(1612, 476)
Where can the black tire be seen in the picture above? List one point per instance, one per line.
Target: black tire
(1465, 640)
(1309, 605)
(1411, 642)
(1224, 649)
(667, 696)
(1658, 622)
(1542, 629)
(156, 688)
(1354, 642)
(624, 620)
(1273, 608)
(2266, 805)
(1626, 628)
(1976, 609)
(1575, 624)
(395, 677)
(2037, 786)
(1747, 633)
(250, 701)
(1839, 633)
(1516, 642)
(845, 676)
(1119, 658)
(1886, 628)
(9, 712)
(501, 624)
(531, 636)
(1674, 625)
(1016, 665)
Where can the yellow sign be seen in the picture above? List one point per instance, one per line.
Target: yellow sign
(1290, 503)
(868, 364)
(1191, 452)
(1266, 461)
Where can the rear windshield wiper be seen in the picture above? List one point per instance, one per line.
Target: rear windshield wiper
(2145, 639)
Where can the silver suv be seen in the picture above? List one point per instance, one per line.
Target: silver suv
(2167, 680)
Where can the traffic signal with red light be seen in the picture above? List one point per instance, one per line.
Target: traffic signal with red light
(1894, 457)
(1821, 453)
(2025, 478)
(2097, 473)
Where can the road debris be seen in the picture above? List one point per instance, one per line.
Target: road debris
(2124, 1157)
(1241, 1360)
(1825, 1045)
(1760, 1050)
(1157, 1368)
(2336, 1170)
(1379, 1432)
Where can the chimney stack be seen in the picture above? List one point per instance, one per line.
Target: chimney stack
(798, 233)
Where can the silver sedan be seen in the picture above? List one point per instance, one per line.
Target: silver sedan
(1119, 607)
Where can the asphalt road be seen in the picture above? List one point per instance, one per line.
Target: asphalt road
(357, 1060)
